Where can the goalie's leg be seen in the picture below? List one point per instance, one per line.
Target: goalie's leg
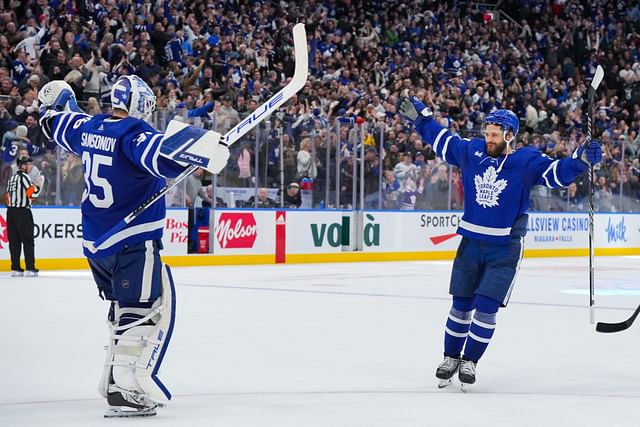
(140, 329)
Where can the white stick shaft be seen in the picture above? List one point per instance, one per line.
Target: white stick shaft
(297, 82)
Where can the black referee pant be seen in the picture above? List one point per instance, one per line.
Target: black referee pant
(20, 233)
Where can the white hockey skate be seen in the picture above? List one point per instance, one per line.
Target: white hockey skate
(446, 370)
(467, 374)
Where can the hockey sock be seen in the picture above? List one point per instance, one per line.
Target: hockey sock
(457, 327)
(482, 327)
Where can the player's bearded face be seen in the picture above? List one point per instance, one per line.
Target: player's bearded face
(495, 143)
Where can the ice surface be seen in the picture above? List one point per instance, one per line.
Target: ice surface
(333, 345)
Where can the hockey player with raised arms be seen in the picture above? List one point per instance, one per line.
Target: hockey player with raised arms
(125, 162)
(497, 181)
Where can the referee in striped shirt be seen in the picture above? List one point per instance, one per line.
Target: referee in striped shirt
(20, 190)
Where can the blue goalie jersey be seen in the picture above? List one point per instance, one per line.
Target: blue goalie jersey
(122, 168)
(496, 190)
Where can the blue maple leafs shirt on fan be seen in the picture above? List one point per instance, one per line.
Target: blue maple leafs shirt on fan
(497, 181)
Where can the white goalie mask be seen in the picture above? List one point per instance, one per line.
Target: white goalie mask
(133, 95)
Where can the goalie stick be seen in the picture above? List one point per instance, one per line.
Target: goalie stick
(297, 82)
(595, 82)
(617, 327)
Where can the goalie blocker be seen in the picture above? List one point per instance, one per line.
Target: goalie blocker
(194, 146)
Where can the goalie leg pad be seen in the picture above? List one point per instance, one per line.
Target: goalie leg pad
(148, 366)
(139, 339)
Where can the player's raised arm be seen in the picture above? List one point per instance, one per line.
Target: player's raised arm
(60, 115)
(562, 172)
(450, 148)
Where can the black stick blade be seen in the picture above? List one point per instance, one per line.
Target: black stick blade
(617, 327)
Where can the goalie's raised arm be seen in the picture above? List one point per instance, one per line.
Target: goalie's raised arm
(58, 101)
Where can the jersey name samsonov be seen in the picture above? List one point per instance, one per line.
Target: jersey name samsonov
(98, 142)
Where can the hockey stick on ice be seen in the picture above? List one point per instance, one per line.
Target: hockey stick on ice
(297, 82)
(595, 82)
(617, 327)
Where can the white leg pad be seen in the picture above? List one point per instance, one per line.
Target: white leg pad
(148, 365)
(134, 357)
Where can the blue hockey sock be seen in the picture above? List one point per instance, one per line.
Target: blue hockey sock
(457, 326)
(482, 327)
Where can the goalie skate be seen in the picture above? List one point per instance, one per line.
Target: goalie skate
(446, 370)
(125, 403)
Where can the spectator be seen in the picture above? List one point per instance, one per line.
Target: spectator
(292, 198)
(72, 181)
(195, 191)
(391, 193)
(34, 133)
(263, 200)
(307, 160)
(439, 188)
(407, 174)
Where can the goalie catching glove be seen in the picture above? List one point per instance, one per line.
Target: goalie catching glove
(55, 97)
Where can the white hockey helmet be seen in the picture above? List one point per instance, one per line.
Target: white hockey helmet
(133, 95)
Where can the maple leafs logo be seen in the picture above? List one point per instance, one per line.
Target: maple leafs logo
(488, 189)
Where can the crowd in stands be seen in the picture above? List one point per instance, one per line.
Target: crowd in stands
(213, 62)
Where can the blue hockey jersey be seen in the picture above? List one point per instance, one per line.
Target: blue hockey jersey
(122, 168)
(496, 190)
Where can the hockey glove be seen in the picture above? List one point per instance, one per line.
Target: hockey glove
(412, 109)
(591, 154)
(56, 96)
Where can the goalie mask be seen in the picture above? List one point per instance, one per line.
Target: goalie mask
(133, 95)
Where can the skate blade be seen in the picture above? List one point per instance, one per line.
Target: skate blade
(116, 412)
(444, 383)
(464, 387)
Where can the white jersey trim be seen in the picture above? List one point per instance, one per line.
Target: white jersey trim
(480, 229)
(552, 167)
(126, 233)
(437, 140)
(444, 149)
(56, 133)
(145, 153)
